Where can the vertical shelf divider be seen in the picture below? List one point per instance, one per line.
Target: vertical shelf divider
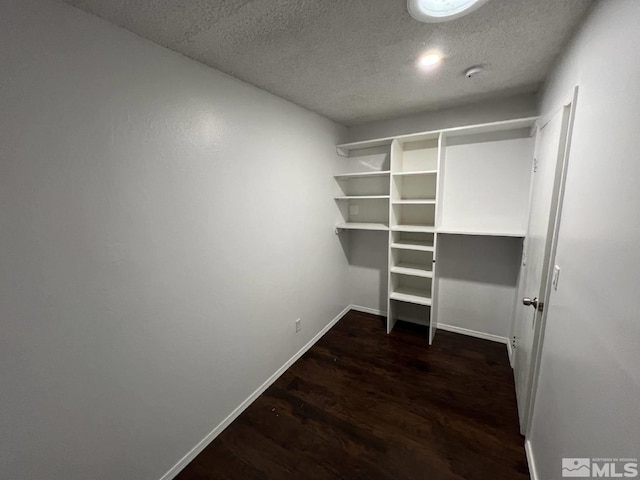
(396, 151)
(442, 151)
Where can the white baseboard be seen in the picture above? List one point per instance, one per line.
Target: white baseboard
(193, 453)
(531, 460)
(448, 328)
(184, 461)
(473, 333)
(372, 311)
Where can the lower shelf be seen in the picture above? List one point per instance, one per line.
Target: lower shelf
(414, 270)
(410, 295)
(413, 245)
(362, 226)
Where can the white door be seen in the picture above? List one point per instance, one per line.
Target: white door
(548, 163)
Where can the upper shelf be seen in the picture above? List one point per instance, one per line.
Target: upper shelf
(519, 123)
(348, 176)
(362, 197)
(417, 172)
(345, 148)
(425, 201)
(490, 232)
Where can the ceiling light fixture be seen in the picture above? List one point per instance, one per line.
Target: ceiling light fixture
(432, 11)
(429, 60)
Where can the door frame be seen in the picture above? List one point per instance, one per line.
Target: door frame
(568, 108)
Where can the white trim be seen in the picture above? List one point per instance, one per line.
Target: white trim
(531, 460)
(569, 100)
(510, 353)
(444, 326)
(564, 151)
(372, 311)
(473, 333)
(184, 461)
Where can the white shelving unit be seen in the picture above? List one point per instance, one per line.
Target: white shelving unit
(362, 196)
(472, 181)
(412, 219)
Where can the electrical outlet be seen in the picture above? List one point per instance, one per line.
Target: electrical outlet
(298, 325)
(353, 210)
(556, 276)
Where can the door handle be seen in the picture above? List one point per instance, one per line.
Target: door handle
(528, 302)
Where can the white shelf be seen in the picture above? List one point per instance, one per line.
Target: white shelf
(349, 176)
(500, 126)
(413, 245)
(490, 232)
(414, 228)
(415, 202)
(344, 149)
(363, 197)
(418, 172)
(410, 295)
(362, 226)
(413, 270)
(503, 125)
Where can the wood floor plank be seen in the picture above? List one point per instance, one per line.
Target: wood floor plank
(361, 404)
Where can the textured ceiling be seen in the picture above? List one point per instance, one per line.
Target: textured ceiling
(354, 60)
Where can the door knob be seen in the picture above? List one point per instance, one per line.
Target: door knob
(533, 303)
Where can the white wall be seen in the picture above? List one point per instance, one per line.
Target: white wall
(477, 277)
(162, 225)
(588, 396)
(368, 269)
(494, 110)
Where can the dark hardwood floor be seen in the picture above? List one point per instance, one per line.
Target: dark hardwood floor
(364, 404)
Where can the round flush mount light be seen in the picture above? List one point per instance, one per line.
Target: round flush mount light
(432, 11)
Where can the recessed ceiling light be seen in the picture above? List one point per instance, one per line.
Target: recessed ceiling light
(441, 10)
(429, 60)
